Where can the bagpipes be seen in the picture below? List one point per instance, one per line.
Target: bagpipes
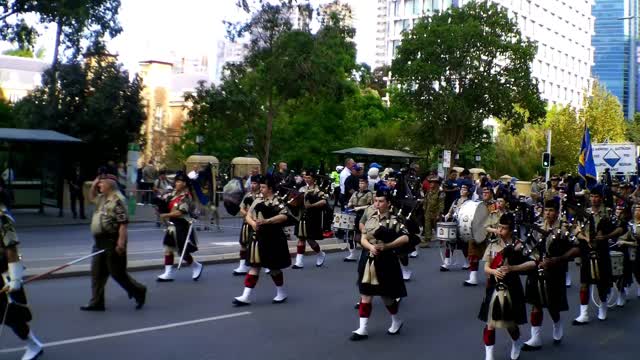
(401, 225)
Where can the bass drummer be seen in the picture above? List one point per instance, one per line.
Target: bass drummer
(477, 248)
(465, 196)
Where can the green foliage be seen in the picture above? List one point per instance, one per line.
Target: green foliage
(20, 52)
(78, 20)
(7, 119)
(297, 92)
(566, 138)
(603, 114)
(462, 66)
(633, 129)
(98, 104)
(519, 155)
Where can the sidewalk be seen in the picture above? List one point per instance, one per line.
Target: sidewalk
(30, 218)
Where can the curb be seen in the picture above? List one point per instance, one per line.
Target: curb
(142, 265)
(132, 221)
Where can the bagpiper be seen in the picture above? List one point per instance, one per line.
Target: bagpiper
(379, 272)
(310, 228)
(504, 305)
(545, 287)
(246, 232)
(268, 247)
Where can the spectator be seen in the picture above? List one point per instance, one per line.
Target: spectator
(149, 176)
(76, 182)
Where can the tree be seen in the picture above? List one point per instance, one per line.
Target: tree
(603, 115)
(462, 66)
(7, 119)
(633, 129)
(526, 146)
(566, 137)
(75, 20)
(96, 102)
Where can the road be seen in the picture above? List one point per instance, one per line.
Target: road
(195, 320)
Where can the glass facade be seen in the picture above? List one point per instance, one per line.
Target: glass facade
(611, 48)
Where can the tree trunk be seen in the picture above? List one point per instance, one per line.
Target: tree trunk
(54, 66)
(267, 135)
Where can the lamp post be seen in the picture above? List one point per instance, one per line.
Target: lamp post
(199, 141)
(478, 158)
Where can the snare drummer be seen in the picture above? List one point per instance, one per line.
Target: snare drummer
(309, 229)
(476, 249)
(359, 202)
(453, 214)
(594, 252)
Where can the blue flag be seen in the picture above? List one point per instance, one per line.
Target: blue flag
(586, 165)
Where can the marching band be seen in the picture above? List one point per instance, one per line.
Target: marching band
(533, 237)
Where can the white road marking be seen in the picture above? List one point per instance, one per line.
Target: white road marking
(128, 332)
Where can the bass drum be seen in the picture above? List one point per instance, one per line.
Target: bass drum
(471, 219)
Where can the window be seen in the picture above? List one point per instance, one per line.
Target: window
(428, 6)
(436, 5)
(406, 25)
(397, 9)
(158, 117)
(408, 7)
(446, 4)
(416, 7)
(398, 27)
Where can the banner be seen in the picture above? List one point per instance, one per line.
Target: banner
(619, 157)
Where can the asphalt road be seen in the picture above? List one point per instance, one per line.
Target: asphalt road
(195, 320)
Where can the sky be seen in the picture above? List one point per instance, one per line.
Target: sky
(153, 29)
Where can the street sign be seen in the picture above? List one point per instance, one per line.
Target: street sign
(446, 159)
(619, 157)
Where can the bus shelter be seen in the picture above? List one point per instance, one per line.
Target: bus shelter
(33, 166)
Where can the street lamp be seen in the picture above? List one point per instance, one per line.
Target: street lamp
(199, 141)
(478, 158)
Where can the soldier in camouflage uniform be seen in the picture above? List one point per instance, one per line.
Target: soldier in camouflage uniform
(109, 228)
(433, 207)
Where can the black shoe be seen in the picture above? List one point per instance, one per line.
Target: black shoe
(236, 273)
(526, 347)
(140, 300)
(579, 323)
(92, 308)
(444, 269)
(357, 337)
(465, 283)
(279, 301)
(357, 306)
(557, 342)
(297, 267)
(239, 303)
(350, 260)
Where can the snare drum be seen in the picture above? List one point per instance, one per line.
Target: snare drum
(471, 220)
(617, 263)
(344, 221)
(447, 231)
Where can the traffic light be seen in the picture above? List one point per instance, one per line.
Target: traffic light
(546, 160)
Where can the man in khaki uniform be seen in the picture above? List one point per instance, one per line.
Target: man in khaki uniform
(109, 228)
(552, 192)
(433, 207)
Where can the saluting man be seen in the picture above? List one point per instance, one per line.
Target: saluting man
(109, 228)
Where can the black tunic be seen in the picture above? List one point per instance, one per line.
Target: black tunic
(268, 247)
(311, 220)
(498, 255)
(386, 263)
(547, 288)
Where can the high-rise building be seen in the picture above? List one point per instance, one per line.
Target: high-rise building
(612, 43)
(562, 29)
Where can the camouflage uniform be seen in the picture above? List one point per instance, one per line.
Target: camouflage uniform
(433, 207)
